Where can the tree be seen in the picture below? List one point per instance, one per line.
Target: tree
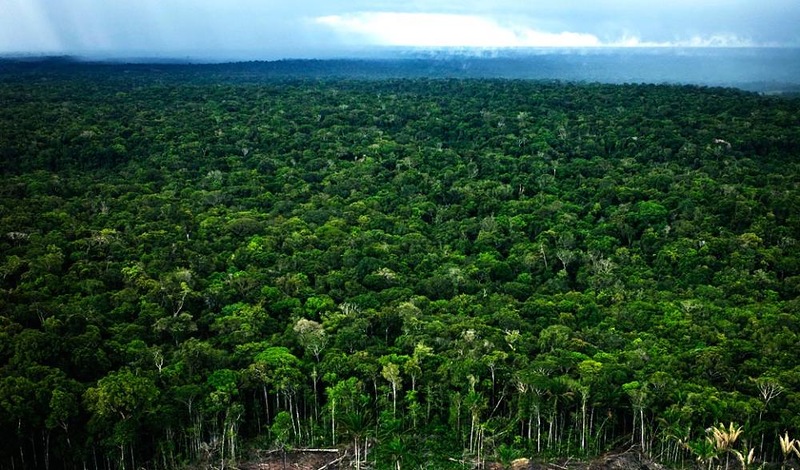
(281, 430)
(346, 398)
(788, 446)
(221, 403)
(241, 323)
(64, 407)
(588, 371)
(397, 450)
(311, 336)
(278, 369)
(125, 396)
(637, 392)
(769, 389)
(724, 438)
(357, 425)
(391, 372)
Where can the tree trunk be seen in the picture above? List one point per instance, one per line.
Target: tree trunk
(394, 399)
(584, 399)
(266, 402)
(538, 428)
(530, 427)
(472, 433)
(358, 454)
(591, 422)
(641, 425)
(316, 398)
(47, 451)
(232, 441)
(333, 422)
(222, 448)
(291, 414)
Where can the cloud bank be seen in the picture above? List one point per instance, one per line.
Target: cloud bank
(456, 30)
(446, 30)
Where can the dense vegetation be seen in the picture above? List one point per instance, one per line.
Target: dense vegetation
(194, 267)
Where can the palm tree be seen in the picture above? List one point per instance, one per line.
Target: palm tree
(788, 446)
(704, 450)
(397, 450)
(723, 439)
(356, 424)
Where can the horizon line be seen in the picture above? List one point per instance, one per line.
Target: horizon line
(367, 52)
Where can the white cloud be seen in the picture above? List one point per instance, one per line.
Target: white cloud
(459, 30)
(446, 30)
(717, 40)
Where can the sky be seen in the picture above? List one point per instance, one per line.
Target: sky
(275, 29)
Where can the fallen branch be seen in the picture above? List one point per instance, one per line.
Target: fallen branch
(333, 462)
(264, 453)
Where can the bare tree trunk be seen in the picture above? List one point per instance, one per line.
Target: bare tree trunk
(291, 414)
(641, 425)
(47, 450)
(584, 399)
(316, 398)
(231, 443)
(333, 422)
(429, 400)
(472, 433)
(538, 428)
(591, 421)
(266, 401)
(530, 426)
(299, 436)
(222, 446)
(480, 447)
(22, 455)
(358, 454)
(394, 399)
(33, 451)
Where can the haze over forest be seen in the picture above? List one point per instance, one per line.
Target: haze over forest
(741, 43)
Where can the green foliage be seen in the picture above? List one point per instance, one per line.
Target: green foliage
(281, 430)
(122, 394)
(194, 259)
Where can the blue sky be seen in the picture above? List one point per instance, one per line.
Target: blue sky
(269, 29)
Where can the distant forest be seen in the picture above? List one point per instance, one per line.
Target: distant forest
(200, 262)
